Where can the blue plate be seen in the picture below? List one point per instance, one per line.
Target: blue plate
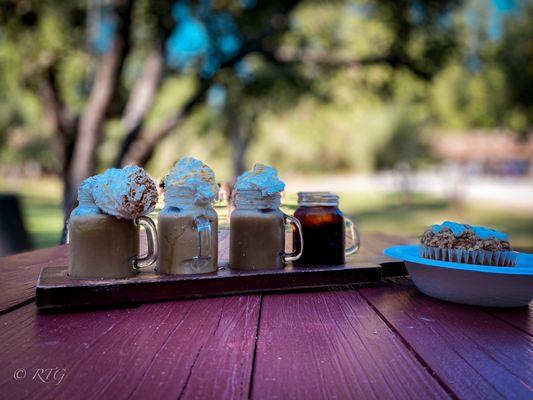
(469, 283)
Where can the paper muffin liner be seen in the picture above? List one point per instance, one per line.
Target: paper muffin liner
(481, 257)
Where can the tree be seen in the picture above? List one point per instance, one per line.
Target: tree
(152, 40)
(515, 58)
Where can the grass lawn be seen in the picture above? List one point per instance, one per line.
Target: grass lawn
(41, 206)
(42, 212)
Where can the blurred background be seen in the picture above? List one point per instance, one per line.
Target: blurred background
(414, 111)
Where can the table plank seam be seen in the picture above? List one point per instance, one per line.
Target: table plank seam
(189, 373)
(328, 307)
(417, 356)
(489, 382)
(406, 279)
(139, 382)
(529, 333)
(256, 340)
(17, 306)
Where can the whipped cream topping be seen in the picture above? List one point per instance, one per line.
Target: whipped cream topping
(86, 204)
(190, 177)
(125, 193)
(481, 231)
(263, 178)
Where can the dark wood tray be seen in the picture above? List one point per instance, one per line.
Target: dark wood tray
(55, 290)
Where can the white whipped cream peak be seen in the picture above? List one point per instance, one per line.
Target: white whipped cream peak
(482, 231)
(191, 177)
(263, 178)
(125, 193)
(86, 204)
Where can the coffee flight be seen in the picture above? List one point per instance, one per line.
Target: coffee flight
(104, 230)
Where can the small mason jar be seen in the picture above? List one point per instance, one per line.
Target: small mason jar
(188, 234)
(106, 247)
(324, 229)
(257, 232)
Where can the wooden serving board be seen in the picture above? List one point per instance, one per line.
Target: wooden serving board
(56, 290)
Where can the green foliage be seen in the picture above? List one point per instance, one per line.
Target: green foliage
(309, 116)
(404, 142)
(515, 58)
(464, 99)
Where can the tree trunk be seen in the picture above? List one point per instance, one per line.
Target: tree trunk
(93, 117)
(239, 166)
(240, 135)
(141, 101)
(64, 122)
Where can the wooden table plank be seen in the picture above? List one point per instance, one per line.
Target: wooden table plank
(161, 350)
(322, 344)
(521, 318)
(223, 356)
(373, 243)
(33, 257)
(333, 345)
(19, 273)
(472, 352)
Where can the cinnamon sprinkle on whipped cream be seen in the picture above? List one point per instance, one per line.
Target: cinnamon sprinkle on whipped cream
(125, 193)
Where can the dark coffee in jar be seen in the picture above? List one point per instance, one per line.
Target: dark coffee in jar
(323, 229)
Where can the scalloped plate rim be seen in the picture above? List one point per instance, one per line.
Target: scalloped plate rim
(410, 253)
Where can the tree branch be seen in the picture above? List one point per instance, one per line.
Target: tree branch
(141, 101)
(102, 93)
(142, 145)
(143, 148)
(61, 117)
(284, 57)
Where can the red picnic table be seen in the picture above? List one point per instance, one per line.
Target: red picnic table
(379, 342)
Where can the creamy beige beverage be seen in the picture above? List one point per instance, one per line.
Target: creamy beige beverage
(188, 224)
(257, 239)
(102, 246)
(104, 228)
(182, 249)
(257, 225)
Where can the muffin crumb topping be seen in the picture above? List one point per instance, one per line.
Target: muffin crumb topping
(465, 239)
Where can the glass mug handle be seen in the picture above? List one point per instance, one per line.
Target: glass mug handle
(151, 236)
(294, 255)
(354, 248)
(203, 226)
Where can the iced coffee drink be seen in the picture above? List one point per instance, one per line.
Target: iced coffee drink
(104, 228)
(257, 225)
(100, 241)
(188, 224)
(324, 229)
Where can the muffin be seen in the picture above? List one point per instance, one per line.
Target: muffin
(467, 244)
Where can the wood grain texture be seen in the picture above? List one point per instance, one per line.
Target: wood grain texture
(18, 274)
(475, 354)
(222, 350)
(521, 318)
(333, 345)
(373, 243)
(56, 290)
(389, 342)
(33, 257)
(188, 349)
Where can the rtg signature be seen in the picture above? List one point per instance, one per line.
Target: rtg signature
(52, 376)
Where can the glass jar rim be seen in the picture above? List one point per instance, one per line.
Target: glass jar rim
(318, 199)
(253, 198)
